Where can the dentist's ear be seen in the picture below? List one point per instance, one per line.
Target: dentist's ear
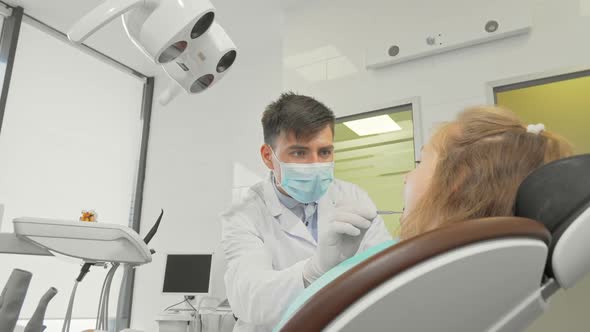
(266, 154)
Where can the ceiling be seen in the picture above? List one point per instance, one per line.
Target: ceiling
(294, 4)
(111, 39)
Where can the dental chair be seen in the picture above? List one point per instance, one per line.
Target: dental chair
(492, 274)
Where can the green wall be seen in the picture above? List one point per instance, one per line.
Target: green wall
(564, 108)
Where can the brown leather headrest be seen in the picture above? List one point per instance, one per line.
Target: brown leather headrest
(332, 300)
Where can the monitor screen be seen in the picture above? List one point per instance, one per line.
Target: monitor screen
(187, 273)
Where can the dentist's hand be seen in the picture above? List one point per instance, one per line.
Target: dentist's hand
(340, 239)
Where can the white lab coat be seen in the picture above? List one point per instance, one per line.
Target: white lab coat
(267, 246)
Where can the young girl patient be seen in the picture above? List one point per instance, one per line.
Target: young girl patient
(471, 168)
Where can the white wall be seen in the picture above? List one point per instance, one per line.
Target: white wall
(341, 29)
(197, 141)
(445, 83)
(70, 141)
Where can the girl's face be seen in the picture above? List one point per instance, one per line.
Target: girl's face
(417, 181)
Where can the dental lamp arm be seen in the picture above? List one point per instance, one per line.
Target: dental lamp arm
(99, 17)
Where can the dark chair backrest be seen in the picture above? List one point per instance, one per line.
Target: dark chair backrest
(556, 195)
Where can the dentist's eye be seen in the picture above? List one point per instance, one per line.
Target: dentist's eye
(298, 154)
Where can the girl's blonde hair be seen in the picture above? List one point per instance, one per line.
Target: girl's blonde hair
(483, 156)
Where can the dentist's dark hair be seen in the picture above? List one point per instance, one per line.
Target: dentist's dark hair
(303, 115)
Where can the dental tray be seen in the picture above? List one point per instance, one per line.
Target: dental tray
(89, 241)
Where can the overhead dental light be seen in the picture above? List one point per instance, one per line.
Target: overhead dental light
(181, 36)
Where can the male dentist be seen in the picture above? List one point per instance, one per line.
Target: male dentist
(298, 223)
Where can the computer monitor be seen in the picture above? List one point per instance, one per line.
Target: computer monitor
(187, 273)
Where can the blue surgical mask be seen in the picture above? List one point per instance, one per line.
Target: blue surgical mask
(306, 183)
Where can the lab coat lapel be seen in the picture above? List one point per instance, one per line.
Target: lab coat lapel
(294, 226)
(326, 209)
(289, 222)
